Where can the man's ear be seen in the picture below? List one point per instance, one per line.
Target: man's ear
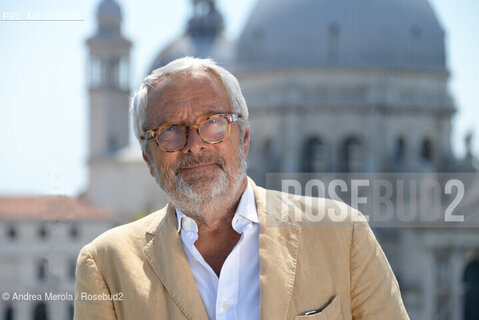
(246, 141)
(150, 166)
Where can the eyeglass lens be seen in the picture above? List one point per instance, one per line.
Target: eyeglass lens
(213, 130)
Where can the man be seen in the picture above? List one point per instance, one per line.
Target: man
(224, 248)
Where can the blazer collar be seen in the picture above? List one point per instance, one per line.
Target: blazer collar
(278, 249)
(165, 254)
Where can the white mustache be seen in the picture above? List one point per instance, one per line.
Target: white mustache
(201, 159)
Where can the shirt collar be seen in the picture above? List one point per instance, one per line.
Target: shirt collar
(183, 221)
(246, 210)
(247, 205)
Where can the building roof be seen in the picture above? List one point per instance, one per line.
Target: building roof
(50, 208)
(342, 33)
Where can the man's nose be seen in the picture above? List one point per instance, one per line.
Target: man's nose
(195, 144)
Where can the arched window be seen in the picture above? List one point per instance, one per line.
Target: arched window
(40, 311)
(426, 150)
(73, 231)
(11, 232)
(352, 155)
(43, 231)
(72, 268)
(314, 155)
(400, 150)
(95, 72)
(9, 313)
(271, 160)
(471, 286)
(124, 73)
(333, 41)
(42, 270)
(113, 68)
(71, 311)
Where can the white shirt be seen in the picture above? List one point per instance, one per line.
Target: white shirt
(235, 294)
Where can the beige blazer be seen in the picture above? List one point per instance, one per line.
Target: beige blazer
(139, 270)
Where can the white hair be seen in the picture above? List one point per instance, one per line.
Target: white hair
(139, 102)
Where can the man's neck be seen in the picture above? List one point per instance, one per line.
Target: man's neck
(216, 236)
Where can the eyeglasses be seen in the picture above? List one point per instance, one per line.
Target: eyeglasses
(174, 137)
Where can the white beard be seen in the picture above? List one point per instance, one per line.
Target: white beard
(220, 190)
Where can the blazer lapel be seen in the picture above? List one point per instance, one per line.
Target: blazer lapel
(278, 249)
(164, 252)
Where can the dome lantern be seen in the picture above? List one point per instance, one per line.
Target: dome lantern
(109, 18)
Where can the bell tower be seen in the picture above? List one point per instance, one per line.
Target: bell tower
(108, 83)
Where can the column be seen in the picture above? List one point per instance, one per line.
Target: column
(429, 285)
(457, 268)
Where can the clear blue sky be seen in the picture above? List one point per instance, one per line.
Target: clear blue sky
(43, 110)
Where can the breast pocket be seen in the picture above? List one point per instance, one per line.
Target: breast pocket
(331, 312)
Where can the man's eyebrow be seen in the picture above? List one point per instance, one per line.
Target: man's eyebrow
(215, 110)
(169, 118)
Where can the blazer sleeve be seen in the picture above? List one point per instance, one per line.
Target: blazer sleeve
(374, 290)
(91, 291)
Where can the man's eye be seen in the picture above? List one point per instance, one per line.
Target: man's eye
(170, 128)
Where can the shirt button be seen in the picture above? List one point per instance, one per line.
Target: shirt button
(187, 223)
(226, 305)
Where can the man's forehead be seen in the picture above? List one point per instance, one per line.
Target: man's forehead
(168, 89)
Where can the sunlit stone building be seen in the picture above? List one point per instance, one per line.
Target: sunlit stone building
(40, 240)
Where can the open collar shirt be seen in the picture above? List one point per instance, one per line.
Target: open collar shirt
(235, 294)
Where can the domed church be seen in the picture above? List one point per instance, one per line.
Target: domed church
(353, 85)
(331, 86)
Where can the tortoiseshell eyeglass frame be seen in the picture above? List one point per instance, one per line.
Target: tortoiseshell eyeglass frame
(230, 117)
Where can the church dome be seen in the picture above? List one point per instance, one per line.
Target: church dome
(217, 48)
(342, 33)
